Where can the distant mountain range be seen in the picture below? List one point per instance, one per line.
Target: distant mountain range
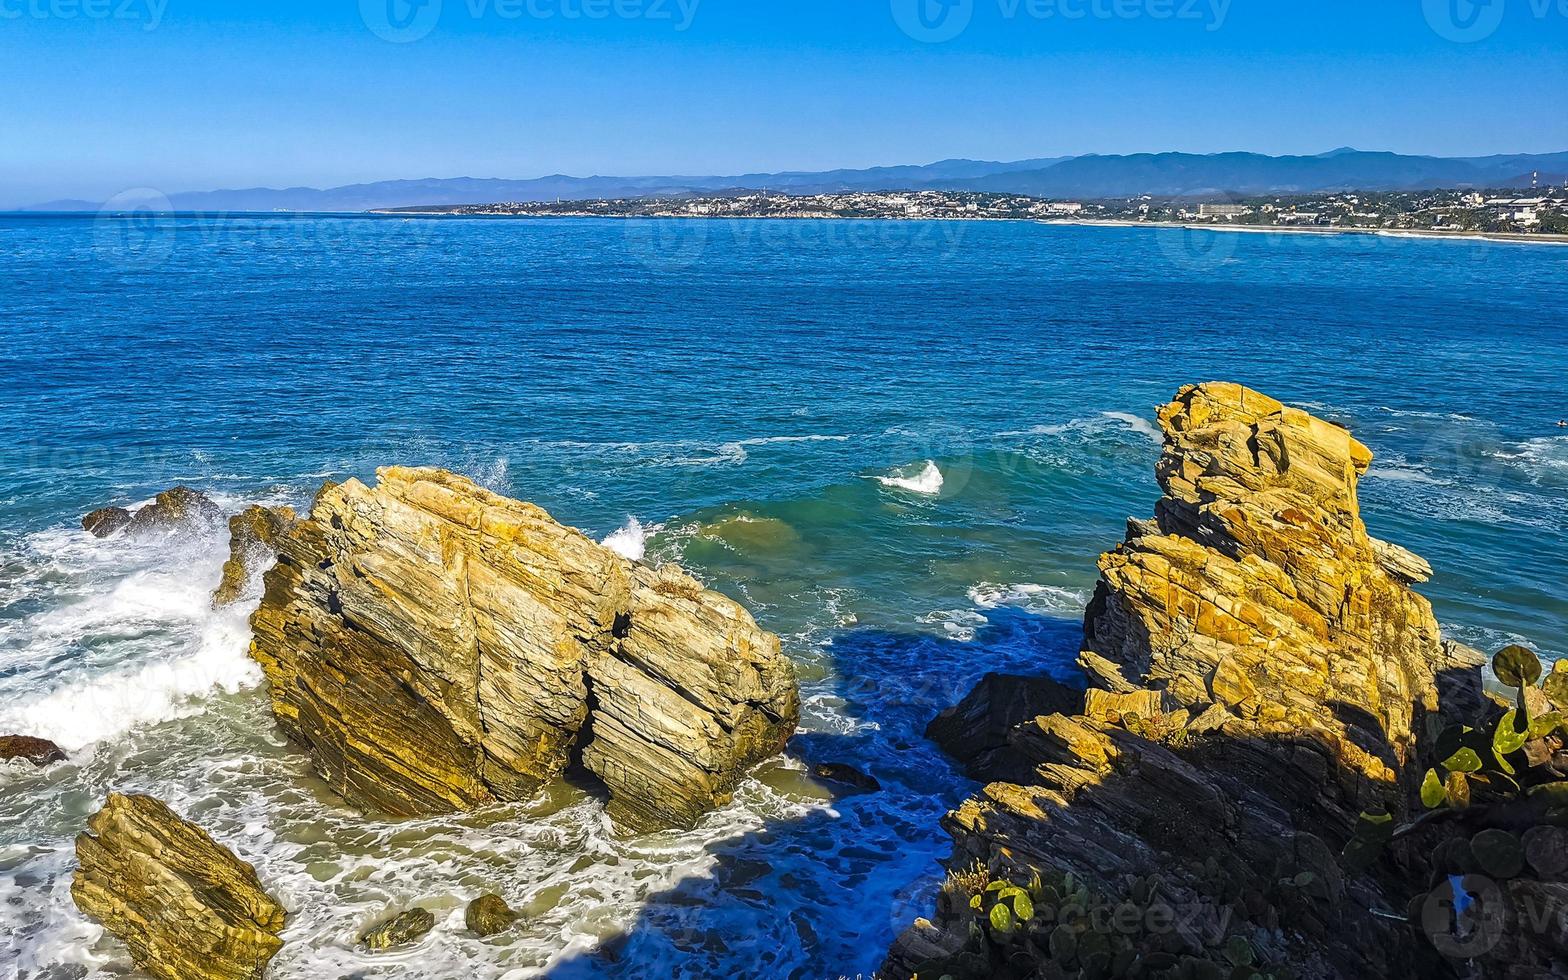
(1187, 175)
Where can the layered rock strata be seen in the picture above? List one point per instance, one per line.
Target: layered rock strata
(1260, 672)
(436, 647)
(184, 905)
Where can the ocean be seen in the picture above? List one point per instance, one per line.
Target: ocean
(901, 444)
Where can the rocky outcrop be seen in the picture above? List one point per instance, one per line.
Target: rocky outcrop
(254, 534)
(178, 509)
(38, 751)
(976, 730)
(436, 647)
(1259, 674)
(184, 905)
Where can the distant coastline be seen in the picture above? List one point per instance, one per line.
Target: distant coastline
(1497, 237)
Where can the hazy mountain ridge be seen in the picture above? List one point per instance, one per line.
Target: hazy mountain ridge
(1217, 175)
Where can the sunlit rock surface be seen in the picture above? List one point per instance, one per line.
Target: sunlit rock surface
(436, 646)
(184, 905)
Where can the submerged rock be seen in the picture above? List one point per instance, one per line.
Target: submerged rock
(401, 930)
(38, 751)
(184, 905)
(436, 647)
(1259, 671)
(178, 509)
(254, 534)
(489, 915)
(846, 775)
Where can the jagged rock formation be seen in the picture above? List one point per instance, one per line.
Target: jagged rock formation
(187, 908)
(172, 510)
(436, 647)
(254, 534)
(1260, 672)
(38, 751)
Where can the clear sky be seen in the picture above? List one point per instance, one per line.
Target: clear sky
(106, 95)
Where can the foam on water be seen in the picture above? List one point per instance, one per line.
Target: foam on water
(631, 541)
(136, 641)
(927, 482)
(1138, 424)
(1046, 600)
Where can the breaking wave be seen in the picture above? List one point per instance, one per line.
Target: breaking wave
(927, 482)
(631, 541)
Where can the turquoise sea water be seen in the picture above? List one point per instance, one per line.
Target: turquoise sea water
(901, 444)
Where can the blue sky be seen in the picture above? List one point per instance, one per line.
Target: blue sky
(106, 95)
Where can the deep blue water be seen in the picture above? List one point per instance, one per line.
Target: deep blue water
(737, 388)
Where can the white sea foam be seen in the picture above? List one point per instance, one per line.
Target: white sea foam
(131, 640)
(631, 541)
(1401, 473)
(1053, 600)
(771, 440)
(927, 482)
(1091, 427)
(1137, 423)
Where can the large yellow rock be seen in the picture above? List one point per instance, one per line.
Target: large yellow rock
(184, 905)
(436, 646)
(1263, 591)
(1259, 669)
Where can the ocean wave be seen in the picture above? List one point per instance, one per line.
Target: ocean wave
(128, 637)
(1092, 427)
(1405, 473)
(1051, 600)
(631, 540)
(1544, 457)
(1136, 423)
(927, 482)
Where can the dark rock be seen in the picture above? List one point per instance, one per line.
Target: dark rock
(488, 915)
(838, 772)
(106, 521)
(38, 751)
(400, 930)
(179, 509)
(173, 510)
(975, 731)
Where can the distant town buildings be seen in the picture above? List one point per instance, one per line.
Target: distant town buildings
(1539, 211)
